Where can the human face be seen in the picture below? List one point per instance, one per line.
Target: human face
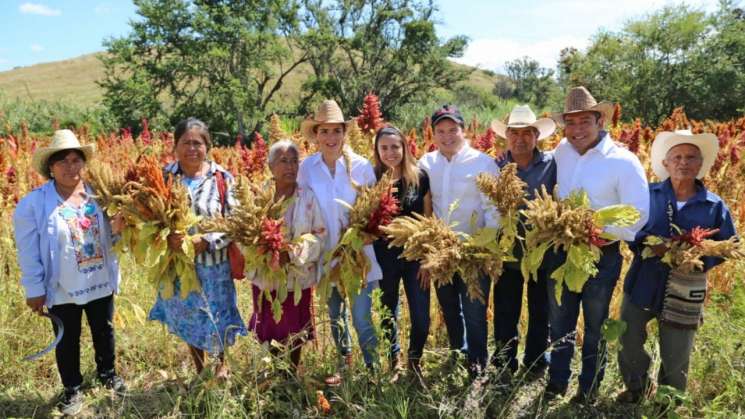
(191, 149)
(683, 162)
(449, 137)
(330, 138)
(67, 172)
(284, 167)
(582, 130)
(521, 141)
(391, 151)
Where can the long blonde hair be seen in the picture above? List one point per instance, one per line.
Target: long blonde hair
(409, 168)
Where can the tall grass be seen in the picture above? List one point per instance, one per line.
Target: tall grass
(162, 381)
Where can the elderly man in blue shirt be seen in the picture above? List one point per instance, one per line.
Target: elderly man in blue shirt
(680, 160)
(536, 168)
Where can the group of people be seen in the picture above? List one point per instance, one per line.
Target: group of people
(64, 242)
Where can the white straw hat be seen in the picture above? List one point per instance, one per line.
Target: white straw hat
(522, 117)
(63, 139)
(664, 141)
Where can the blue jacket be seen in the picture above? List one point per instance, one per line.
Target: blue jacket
(37, 246)
(647, 278)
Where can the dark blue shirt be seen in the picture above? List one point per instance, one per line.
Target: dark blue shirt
(540, 171)
(647, 278)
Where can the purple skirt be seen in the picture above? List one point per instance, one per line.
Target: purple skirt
(296, 319)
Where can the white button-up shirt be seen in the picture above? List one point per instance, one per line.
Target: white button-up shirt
(455, 180)
(610, 175)
(315, 175)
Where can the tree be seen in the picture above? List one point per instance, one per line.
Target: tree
(673, 57)
(389, 47)
(532, 83)
(220, 60)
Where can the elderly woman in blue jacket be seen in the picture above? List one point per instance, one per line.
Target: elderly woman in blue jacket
(64, 242)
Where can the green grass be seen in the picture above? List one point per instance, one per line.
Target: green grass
(162, 383)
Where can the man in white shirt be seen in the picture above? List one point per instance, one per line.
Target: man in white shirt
(452, 171)
(588, 159)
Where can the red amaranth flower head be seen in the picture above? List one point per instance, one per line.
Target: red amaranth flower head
(383, 214)
(145, 135)
(695, 236)
(370, 119)
(272, 241)
(485, 142)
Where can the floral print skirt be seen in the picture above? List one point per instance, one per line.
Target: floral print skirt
(208, 320)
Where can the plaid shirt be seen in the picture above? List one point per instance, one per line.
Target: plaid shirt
(206, 202)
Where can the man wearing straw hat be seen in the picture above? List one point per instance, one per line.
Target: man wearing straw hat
(588, 159)
(536, 168)
(680, 160)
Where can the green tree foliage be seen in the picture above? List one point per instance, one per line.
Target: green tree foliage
(223, 61)
(674, 57)
(389, 47)
(530, 83)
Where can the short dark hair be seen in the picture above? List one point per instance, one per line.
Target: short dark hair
(58, 156)
(187, 125)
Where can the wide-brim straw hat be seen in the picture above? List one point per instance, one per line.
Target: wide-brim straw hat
(579, 100)
(63, 139)
(664, 141)
(328, 112)
(522, 117)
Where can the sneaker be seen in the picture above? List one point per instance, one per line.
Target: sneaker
(113, 382)
(71, 402)
(554, 390)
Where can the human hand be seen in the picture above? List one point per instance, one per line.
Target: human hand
(423, 275)
(36, 304)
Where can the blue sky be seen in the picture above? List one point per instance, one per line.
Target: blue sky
(500, 30)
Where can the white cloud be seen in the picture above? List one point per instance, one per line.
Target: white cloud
(494, 53)
(102, 9)
(38, 9)
(37, 48)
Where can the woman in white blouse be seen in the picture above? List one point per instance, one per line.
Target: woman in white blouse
(332, 174)
(64, 243)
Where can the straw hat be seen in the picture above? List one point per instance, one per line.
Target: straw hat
(579, 100)
(63, 139)
(664, 141)
(522, 117)
(328, 112)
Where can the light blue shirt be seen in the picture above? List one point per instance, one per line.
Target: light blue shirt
(36, 232)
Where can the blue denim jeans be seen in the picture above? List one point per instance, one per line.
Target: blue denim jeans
(594, 300)
(394, 271)
(361, 319)
(465, 320)
(508, 299)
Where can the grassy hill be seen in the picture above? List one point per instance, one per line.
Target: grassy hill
(74, 81)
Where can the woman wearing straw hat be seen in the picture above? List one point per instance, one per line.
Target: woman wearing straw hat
(536, 168)
(680, 160)
(332, 174)
(64, 241)
(587, 159)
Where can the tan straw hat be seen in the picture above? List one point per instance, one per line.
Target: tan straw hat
(328, 112)
(522, 117)
(579, 100)
(664, 141)
(63, 139)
